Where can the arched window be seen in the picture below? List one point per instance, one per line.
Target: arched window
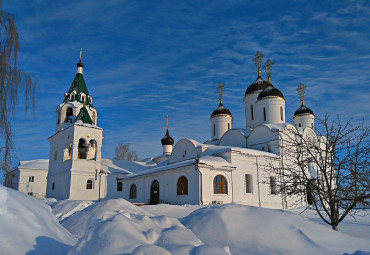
(264, 114)
(281, 113)
(69, 114)
(119, 186)
(53, 186)
(82, 149)
(133, 191)
(219, 185)
(182, 186)
(89, 184)
(92, 149)
(252, 112)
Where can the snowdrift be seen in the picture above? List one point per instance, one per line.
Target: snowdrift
(118, 227)
(27, 226)
(253, 230)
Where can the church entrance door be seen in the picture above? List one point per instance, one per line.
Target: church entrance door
(154, 193)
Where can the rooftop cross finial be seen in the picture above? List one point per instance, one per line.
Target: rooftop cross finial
(258, 61)
(220, 89)
(80, 54)
(268, 69)
(168, 120)
(301, 91)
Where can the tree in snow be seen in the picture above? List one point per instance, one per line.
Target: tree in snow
(13, 82)
(123, 152)
(329, 171)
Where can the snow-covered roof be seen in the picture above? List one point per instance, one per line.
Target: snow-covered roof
(125, 166)
(214, 161)
(37, 164)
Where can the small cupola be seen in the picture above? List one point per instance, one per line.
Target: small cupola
(303, 116)
(80, 65)
(221, 118)
(167, 141)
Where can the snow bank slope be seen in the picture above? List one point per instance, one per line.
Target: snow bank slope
(27, 226)
(119, 227)
(253, 230)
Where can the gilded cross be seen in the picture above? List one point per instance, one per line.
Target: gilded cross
(268, 68)
(258, 61)
(81, 54)
(220, 89)
(301, 91)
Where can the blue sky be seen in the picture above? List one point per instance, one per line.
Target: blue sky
(146, 59)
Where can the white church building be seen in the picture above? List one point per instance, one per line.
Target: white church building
(231, 167)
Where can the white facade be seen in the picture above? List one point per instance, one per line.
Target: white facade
(29, 177)
(232, 167)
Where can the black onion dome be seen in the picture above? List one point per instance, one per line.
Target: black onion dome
(270, 91)
(167, 139)
(303, 110)
(221, 110)
(258, 85)
(80, 64)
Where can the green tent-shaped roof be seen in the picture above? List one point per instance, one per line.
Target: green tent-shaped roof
(84, 116)
(80, 87)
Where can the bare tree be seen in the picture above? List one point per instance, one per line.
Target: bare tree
(329, 171)
(123, 152)
(13, 81)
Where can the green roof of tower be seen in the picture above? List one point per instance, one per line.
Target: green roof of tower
(84, 116)
(80, 87)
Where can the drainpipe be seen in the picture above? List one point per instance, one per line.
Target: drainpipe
(258, 183)
(200, 181)
(100, 174)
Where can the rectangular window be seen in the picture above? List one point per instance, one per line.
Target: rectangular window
(273, 185)
(248, 183)
(31, 178)
(214, 130)
(30, 193)
(264, 114)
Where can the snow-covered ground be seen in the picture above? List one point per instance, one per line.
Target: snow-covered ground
(29, 226)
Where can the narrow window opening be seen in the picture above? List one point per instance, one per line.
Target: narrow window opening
(299, 125)
(248, 183)
(133, 191)
(228, 126)
(53, 186)
(281, 113)
(119, 186)
(273, 185)
(55, 155)
(82, 149)
(264, 114)
(214, 129)
(252, 112)
(31, 179)
(69, 114)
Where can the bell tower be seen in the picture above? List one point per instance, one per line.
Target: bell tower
(75, 148)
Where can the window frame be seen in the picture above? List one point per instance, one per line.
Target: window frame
(248, 180)
(220, 186)
(182, 186)
(133, 191)
(90, 184)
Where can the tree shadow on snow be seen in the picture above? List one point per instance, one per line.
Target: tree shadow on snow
(46, 246)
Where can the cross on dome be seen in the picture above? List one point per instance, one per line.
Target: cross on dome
(268, 69)
(301, 91)
(168, 119)
(258, 61)
(220, 89)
